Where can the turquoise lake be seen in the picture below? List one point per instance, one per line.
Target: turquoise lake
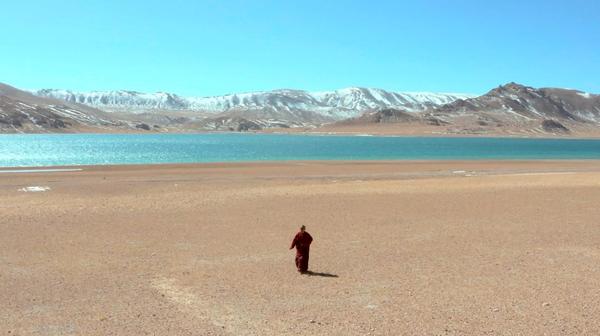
(29, 150)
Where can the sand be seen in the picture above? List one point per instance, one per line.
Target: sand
(401, 248)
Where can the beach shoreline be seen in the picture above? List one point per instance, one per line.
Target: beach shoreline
(341, 131)
(307, 168)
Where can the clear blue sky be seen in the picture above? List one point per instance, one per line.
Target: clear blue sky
(216, 47)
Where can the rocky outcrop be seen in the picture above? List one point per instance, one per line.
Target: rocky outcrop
(553, 126)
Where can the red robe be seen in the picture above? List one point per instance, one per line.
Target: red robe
(302, 243)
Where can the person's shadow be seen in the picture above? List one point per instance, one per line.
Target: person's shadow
(326, 275)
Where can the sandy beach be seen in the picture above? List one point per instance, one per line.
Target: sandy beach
(401, 248)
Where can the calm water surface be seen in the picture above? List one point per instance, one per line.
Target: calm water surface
(29, 150)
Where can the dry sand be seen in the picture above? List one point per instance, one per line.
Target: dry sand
(404, 248)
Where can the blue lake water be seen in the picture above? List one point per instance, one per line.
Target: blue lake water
(29, 150)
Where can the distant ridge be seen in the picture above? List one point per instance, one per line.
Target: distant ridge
(294, 105)
(22, 112)
(510, 109)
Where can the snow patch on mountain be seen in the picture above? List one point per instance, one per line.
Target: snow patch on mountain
(584, 94)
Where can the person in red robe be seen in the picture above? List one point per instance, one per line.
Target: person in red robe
(302, 242)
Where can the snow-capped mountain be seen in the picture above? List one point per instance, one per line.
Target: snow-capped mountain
(22, 112)
(519, 102)
(118, 100)
(295, 104)
(511, 109)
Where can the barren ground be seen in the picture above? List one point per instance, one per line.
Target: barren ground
(401, 248)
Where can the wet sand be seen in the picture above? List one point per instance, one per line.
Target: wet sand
(401, 248)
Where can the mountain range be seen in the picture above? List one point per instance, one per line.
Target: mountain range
(295, 105)
(510, 109)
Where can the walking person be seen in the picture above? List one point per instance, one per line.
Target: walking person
(302, 242)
